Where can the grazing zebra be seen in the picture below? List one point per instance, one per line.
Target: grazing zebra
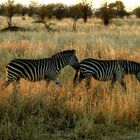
(40, 69)
(105, 70)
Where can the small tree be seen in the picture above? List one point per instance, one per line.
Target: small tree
(86, 9)
(59, 11)
(32, 9)
(120, 9)
(105, 13)
(2, 8)
(9, 11)
(47, 11)
(137, 12)
(24, 11)
(44, 14)
(75, 13)
(21, 10)
(17, 9)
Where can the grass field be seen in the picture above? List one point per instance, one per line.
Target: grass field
(67, 113)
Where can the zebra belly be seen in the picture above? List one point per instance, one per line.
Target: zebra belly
(103, 77)
(35, 79)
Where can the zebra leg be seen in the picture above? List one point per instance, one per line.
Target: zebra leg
(123, 84)
(47, 82)
(88, 83)
(77, 81)
(75, 78)
(120, 77)
(138, 76)
(16, 85)
(120, 80)
(113, 81)
(6, 84)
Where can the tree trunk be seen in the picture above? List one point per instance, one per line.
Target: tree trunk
(9, 21)
(74, 25)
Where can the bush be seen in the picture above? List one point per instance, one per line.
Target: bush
(137, 12)
(105, 13)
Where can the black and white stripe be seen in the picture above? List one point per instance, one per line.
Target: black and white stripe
(39, 69)
(105, 70)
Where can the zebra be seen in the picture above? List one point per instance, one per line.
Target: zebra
(40, 69)
(105, 70)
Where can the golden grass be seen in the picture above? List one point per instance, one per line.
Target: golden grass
(70, 113)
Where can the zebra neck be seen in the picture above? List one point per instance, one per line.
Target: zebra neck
(60, 63)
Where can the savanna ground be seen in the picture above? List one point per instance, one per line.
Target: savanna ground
(67, 113)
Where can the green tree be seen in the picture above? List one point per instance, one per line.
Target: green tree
(47, 10)
(75, 13)
(105, 13)
(118, 9)
(85, 7)
(2, 9)
(59, 11)
(44, 14)
(81, 10)
(33, 9)
(137, 12)
(24, 11)
(9, 11)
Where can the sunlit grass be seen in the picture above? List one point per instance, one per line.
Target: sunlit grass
(67, 113)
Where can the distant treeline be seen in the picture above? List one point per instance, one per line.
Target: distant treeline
(59, 11)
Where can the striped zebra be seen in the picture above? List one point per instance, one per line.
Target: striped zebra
(105, 70)
(40, 69)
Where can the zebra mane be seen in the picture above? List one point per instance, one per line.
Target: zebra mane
(73, 51)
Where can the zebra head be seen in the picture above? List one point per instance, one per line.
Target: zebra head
(72, 59)
(65, 58)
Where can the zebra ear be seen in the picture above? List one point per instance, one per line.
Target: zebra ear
(74, 51)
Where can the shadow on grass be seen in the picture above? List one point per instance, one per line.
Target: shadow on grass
(14, 29)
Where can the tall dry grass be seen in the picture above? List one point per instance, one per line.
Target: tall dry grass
(67, 113)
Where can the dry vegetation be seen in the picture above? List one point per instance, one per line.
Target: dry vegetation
(67, 113)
